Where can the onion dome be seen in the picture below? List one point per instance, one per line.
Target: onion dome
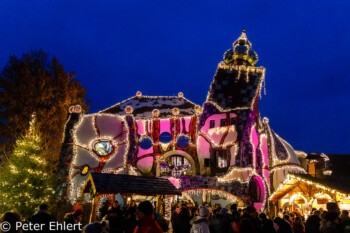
(241, 51)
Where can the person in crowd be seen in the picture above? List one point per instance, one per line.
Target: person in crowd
(248, 223)
(200, 223)
(251, 211)
(216, 220)
(330, 223)
(267, 224)
(189, 205)
(96, 227)
(330, 219)
(344, 216)
(194, 212)
(148, 224)
(292, 217)
(182, 222)
(345, 220)
(234, 211)
(12, 218)
(73, 218)
(130, 217)
(282, 226)
(43, 217)
(312, 224)
(298, 225)
(234, 224)
(287, 218)
(174, 215)
(115, 218)
(161, 221)
(104, 209)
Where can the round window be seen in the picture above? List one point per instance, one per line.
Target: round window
(183, 141)
(146, 143)
(165, 137)
(103, 148)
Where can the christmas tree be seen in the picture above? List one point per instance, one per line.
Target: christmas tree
(25, 179)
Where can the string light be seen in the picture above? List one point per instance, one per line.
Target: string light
(208, 191)
(291, 177)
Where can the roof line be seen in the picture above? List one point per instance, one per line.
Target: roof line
(145, 96)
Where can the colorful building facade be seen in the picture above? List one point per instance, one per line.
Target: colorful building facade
(220, 150)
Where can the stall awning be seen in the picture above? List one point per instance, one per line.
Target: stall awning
(299, 182)
(104, 183)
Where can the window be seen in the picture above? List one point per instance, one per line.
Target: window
(176, 165)
(146, 143)
(233, 121)
(222, 122)
(103, 148)
(221, 161)
(212, 124)
(165, 137)
(183, 141)
(254, 191)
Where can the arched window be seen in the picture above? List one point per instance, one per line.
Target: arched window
(254, 190)
(176, 165)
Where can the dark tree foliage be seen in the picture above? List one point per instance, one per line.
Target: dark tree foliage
(35, 83)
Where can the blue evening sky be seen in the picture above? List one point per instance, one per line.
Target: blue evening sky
(162, 47)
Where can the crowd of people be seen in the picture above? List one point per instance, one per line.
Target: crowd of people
(188, 218)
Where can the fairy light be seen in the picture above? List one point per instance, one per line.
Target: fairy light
(262, 136)
(325, 157)
(27, 172)
(116, 143)
(296, 196)
(252, 144)
(234, 173)
(222, 194)
(300, 154)
(168, 200)
(294, 168)
(291, 177)
(146, 97)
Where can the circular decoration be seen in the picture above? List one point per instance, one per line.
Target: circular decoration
(197, 108)
(103, 148)
(129, 109)
(180, 95)
(75, 109)
(85, 170)
(183, 141)
(165, 137)
(146, 143)
(139, 93)
(266, 120)
(155, 112)
(175, 111)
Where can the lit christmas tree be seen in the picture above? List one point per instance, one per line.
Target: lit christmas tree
(25, 180)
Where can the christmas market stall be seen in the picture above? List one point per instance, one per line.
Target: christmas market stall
(104, 185)
(327, 181)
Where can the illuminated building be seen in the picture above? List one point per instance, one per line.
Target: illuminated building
(220, 150)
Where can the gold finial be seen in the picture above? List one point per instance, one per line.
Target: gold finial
(129, 109)
(243, 30)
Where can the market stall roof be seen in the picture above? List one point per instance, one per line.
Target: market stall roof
(105, 183)
(337, 184)
(288, 185)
